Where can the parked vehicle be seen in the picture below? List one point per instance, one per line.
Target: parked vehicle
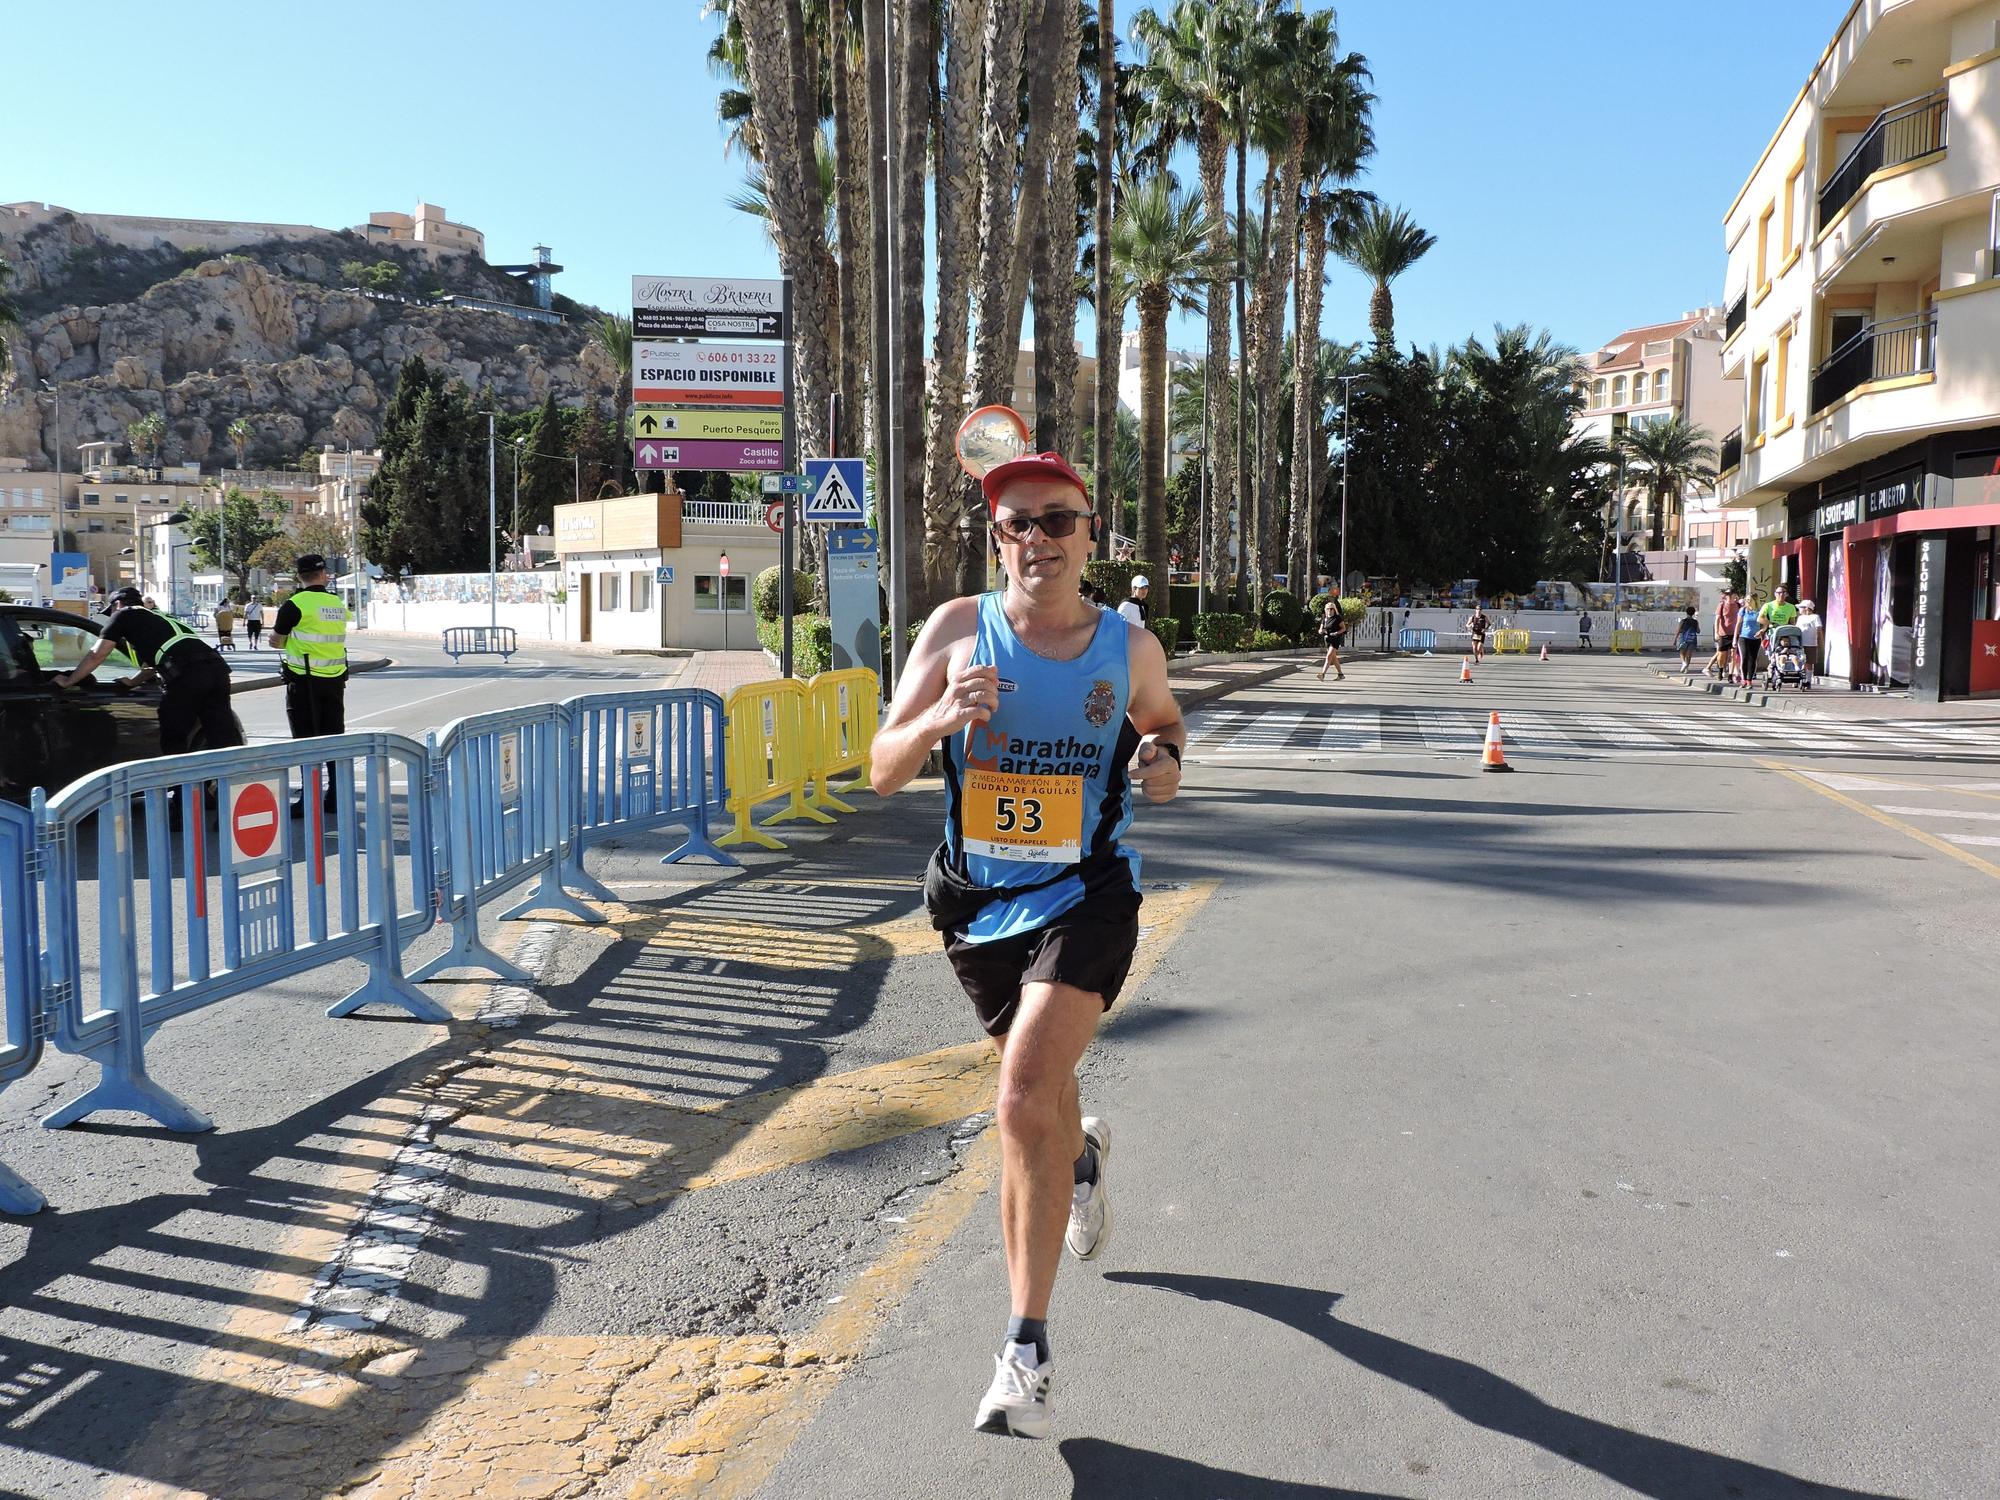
(49, 736)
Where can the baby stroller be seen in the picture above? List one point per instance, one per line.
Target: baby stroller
(1788, 664)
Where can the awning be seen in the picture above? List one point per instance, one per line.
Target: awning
(1920, 522)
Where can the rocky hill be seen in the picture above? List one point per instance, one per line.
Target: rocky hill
(267, 333)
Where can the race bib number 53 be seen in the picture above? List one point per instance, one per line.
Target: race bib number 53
(1029, 818)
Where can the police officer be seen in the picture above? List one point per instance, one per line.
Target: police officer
(311, 629)
(194, 704)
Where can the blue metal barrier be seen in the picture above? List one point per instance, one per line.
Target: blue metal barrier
(258, 899)
(635, 761)
(480, 640)
(497, 812)
(20, 973)
(1417, 640)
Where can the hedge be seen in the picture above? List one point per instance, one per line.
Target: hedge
(1283, 613)
(1115, 578)
(1168, 629)
(764, 593)
(1352, 606)
(1221, 632)
(812, 642)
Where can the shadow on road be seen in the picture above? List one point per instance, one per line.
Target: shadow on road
(1645, 1465)
(1112, 1471)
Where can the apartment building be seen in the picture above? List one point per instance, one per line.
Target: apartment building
(1863, 317)
(1651, 374)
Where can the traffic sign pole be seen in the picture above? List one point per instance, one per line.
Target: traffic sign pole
(785, 535)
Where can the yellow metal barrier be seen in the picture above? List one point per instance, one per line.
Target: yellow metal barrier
(770, 749)
(844, 709)
(1510, 640)
(1628, 640)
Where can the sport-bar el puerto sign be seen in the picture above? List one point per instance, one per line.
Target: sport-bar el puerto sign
(694, 307)
(708, 375)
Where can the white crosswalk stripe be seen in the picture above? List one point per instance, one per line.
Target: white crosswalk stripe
(1316, 730)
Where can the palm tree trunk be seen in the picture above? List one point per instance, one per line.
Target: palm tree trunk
(851, 215)
(1280, 257)
(1046, 31)
(1153, 306)
(1212, 154)
(1305, 408)
(958, 197)
(1055, 343)
(994, 346)
(1312, 279)
(774, 44)
(1110, 318)
(1244, 532)
(875, 50)
(1382, 316)
(916, 102)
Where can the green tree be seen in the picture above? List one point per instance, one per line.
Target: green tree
(240, 435)
(1384, 244)
(426, 505)
(146, 435)
(1159, 248)
(10, 315)
(548, 479)
(241, 524)
(1673, 455)
(604, 457)
(383, 276)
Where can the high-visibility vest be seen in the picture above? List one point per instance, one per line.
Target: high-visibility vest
(180, 633)
(317, 645)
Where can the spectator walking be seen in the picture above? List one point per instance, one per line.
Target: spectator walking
(1726, 609)
(1810, 626)
(1749, 636)
(253, 621)
(1687, 636)
(1583, 629)
(1333, 634)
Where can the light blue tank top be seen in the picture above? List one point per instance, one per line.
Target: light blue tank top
(1042, 784)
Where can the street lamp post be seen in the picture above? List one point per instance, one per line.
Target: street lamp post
(1202, 559)
(1346, 446)
(55, 391)
(519, 443)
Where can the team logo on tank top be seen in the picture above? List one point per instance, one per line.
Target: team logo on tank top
(1101, 704)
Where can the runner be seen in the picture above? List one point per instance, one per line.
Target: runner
(1475, 626)
(1332, 634)
(1687, 636)
(1049, 712)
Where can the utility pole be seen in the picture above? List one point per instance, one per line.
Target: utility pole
(1202, 559)
(1618, 546)
(518, 442)
(492, 526)
(354, 529)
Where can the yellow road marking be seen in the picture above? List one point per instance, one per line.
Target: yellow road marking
(373, 1415)
(1930, 840)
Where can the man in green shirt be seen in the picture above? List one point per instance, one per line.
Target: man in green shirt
(1780, 611)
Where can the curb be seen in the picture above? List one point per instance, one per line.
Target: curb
(1210, 691)
(1749, 697)
(277, 679)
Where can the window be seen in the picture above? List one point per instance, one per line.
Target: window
(1701, 536)
(607, 592)
(1779, 402)
(1739, 533)
(91, 497)
(1618, 391)
(1794, 219)
(710, 598)
(1758, 415)
(642, 591)
(1763, 276)
(1598, 396)
(1661, 380)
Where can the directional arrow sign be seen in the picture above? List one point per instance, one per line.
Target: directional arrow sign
(839, 489)
(729, 458)
(741, 426)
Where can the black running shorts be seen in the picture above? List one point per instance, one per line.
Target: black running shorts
(1089, 947)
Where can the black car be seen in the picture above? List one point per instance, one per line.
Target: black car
(51, 736)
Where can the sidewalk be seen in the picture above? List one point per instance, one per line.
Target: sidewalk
(1831, 698)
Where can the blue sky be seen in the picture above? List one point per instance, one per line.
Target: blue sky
(1573, 157)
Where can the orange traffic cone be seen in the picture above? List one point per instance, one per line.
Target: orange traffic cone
(1492, 758)
(1545, 650)
(1465, 669)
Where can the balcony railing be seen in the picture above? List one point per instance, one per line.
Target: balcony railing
(1732, 322)
(1731, 454)
(1881, 351)
(1900, 134)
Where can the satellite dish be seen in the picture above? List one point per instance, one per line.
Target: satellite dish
(990, 437)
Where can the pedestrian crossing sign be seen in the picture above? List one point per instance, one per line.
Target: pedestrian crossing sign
(837, 489)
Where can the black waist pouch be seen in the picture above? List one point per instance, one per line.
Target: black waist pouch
(953, 900)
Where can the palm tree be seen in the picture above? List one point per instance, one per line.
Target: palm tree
(1673, 454)
(1384, 244)
(1189, 83)
(1159, 247)
(240, 434)
(612, 333)
(1056, 277)
(755, 197)
(1109, 314)
(146, 435)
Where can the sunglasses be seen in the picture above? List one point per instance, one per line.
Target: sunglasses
(1054, 524)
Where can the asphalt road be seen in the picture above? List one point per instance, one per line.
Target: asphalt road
(1622, 1125)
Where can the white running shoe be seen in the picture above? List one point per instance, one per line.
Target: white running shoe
(1017, 1403)
(1090, 1202)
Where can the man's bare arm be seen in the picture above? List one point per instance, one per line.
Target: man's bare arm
(933, 700)
(1157, 717)
(89, 664)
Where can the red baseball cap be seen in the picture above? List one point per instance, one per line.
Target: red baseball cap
(1039, 466)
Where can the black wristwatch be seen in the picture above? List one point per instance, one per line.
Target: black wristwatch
(1171, 748)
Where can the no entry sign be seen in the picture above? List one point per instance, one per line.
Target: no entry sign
(255, 808)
